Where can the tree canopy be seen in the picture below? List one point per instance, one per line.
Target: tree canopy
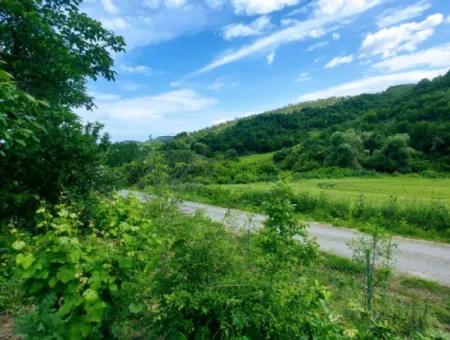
(49, 50)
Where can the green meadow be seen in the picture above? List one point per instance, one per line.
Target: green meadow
(404, 205)
(376, 190)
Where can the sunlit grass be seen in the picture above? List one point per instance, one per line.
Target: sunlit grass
(375, 190)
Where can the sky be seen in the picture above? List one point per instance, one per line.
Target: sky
(190, 64)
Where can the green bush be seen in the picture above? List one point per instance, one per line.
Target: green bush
(144, 270)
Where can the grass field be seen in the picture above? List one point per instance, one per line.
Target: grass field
(406, 188)
(405, 205)
(258, 158)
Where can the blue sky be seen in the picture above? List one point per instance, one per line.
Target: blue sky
(194, 63)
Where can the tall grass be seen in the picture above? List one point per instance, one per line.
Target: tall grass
(424, 218)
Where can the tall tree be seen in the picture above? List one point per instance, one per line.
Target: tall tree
(49, 49)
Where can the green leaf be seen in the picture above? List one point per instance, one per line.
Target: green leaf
(18, 245)
(69, 303)
(136, 308)
(66, 274)
(25, 260)
(90, 295)
(125, 263)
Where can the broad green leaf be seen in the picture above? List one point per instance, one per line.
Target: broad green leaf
(18, 245)
(25, 260)
(136, 308)
(90, 295)
(66, 274)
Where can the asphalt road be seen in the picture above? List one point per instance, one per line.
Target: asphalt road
(428, 260)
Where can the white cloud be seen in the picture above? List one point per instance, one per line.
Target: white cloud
(300, 31)
(433, 57)
(155, 4)
(216, 86)
(340, 7)
(372, 84)
(339, 61)
(130, 87)
(114, 24)
(405, 37)
(162, 114)
(215, 4)
(105, 96)
(252, 7)
(402, 14)
(318, 45)
(303, 77)
(289, 21)
(335, 36)
(301, 10)
(152, 107)
(175, 3)
(257, 27)
(138, 69)
(448, 20)
(109, 6)
(271, 58)
(147, 22)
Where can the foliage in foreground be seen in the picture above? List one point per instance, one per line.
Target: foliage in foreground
(142, 270)
(49, 50)
(150, 272)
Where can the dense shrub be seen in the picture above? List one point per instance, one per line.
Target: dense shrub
(146, 270)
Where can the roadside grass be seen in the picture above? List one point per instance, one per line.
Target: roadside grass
(406, 299)
(404, 205)
(409, 189)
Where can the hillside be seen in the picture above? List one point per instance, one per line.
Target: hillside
(413, 119)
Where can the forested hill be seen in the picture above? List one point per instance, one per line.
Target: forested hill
(415, 118)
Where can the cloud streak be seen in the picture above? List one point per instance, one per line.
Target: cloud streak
(336, 61)
(434, 57)
(252, 7)
(403, 14)
(372, 84)
(326, 12)
(259, 26)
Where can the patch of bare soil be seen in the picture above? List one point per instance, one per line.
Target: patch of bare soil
(6, 328)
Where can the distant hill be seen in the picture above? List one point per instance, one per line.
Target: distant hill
(291, 108)
(419, 113)
(163, 138)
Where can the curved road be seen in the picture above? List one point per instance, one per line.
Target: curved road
(428, 260)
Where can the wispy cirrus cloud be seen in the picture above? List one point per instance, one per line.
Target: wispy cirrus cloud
(136, 69)
(303, 77)
(398, 15)
(109, 6)
(318, 45)
(372, 84)
(335, 36)
(167, 112)
(325, 12)
(155, 4)
(252, 7)
(336, 61)
(257, 27)
(271, 58)
(152, 107)
(438, 56)
(149, 22)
